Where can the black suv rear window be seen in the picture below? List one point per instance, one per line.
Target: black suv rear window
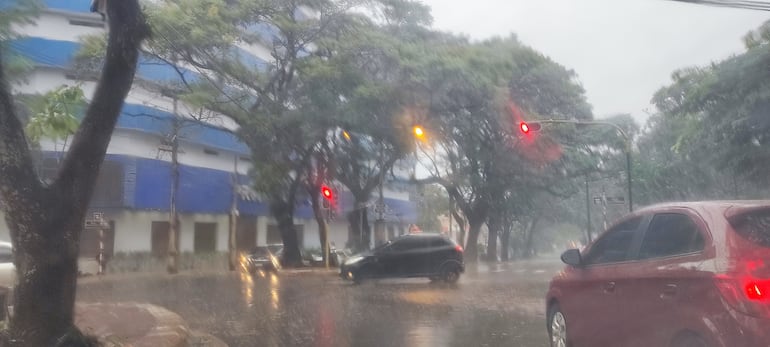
(754, 226)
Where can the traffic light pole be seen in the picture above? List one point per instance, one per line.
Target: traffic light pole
(626, 147)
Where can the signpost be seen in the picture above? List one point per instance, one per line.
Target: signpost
(605, 200)
(97, 222)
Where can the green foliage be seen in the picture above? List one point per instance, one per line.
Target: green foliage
(713, 126)
(55, 115)
(433, 202)
(91, 54)
(15, 12)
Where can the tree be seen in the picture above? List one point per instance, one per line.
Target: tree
(479, 96)
(433, 203)
(357, 83)
(268, 99)
(707, 139)
(45, 221)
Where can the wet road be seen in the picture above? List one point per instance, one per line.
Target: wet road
(498, 306)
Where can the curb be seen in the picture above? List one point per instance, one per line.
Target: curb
(132, 325)
(170, 329)
(133, 276)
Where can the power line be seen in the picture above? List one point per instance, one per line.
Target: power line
(748, 5)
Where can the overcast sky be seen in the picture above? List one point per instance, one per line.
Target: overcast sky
(622, 50)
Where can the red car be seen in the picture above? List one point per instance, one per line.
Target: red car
(677, 274)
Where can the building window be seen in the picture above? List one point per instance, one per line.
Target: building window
(274, 234)
(205, 240)
(210, 151)
(109, 185)
(160, 237)
(87, 23)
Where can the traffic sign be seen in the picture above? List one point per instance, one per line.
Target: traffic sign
(96, 222)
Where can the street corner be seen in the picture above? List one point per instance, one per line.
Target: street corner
(198, 338)
(137, 325)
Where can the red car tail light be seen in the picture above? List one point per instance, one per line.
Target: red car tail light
(748, 295)
(459, 248)
(758, 290)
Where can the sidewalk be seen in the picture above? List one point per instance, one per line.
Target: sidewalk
(138, 325)
(133, 276)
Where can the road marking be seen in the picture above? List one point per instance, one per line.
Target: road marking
(538, 271)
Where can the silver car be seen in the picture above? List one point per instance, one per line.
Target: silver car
(265, 258)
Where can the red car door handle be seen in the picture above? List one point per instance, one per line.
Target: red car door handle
(609, 287)
(669, 291)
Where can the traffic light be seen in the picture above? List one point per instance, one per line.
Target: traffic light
(327, 193)
(418, 132)
(527, 127)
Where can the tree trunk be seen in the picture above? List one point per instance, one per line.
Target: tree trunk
(284, 215)
(460, 225)
(471, 247)
(320, 219)
(493, 225)
(44, 296)
(529, 250)
(505, 243)
(359, 236)
(45, 222)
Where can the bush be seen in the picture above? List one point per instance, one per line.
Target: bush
(123, 262)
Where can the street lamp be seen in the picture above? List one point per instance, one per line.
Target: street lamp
(535, 126)
(418, 132)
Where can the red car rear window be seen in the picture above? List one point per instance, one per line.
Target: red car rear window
(754, 226)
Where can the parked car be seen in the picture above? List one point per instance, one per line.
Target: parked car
(677, 274)
(7, 269)
(420, 255)
(336, 257)
(265, 258)
(7, 278)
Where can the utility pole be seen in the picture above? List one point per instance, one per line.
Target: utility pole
(450, 216)
(172, 265)
(535, 126)
(588, 211)
(604, 208)
(379, 225)
(233, 236)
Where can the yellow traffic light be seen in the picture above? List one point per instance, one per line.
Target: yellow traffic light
(418, 131)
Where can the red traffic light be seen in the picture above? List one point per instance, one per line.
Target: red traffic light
(326, 192)
(527, 127)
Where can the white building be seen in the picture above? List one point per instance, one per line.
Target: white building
(133, 190)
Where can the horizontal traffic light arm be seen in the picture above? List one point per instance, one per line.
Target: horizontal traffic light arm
(535, 125)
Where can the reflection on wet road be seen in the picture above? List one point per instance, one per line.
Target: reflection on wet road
(497, 307)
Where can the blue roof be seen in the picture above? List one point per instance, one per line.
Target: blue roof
(60, 54)
(70, 5)
(150, 120)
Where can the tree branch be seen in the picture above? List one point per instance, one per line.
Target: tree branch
(127, 30)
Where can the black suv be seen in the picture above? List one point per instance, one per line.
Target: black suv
(419, 255)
